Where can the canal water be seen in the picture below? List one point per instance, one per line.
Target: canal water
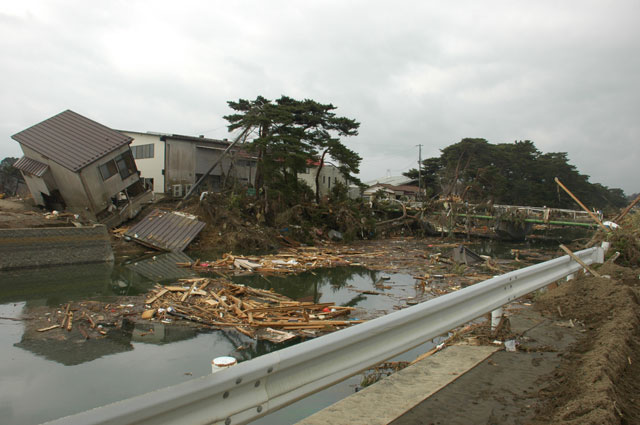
(47, 378)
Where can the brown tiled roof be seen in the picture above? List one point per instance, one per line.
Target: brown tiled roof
(403, 188)
(406, 188)
(31, 166)
(71, 140)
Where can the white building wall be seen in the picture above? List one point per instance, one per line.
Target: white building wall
(150, 168)
(329, 175)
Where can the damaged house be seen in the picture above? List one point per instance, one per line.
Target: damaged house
(75, 164)
(172, 163)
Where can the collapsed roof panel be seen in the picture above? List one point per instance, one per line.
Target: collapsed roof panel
(166, 230)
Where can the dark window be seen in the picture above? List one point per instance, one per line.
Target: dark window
(142, 151)
(108, 169)
(329, 182)
(126, 165)
(147, 183)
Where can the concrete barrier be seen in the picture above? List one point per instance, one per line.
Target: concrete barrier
(47, 246)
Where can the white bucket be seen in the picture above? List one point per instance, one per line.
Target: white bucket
(220, 363)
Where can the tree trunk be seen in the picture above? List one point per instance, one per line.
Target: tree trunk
(318, 176)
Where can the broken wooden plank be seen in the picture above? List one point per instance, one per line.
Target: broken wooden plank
(591, 214)
(48, 328)
(579, 261)
(157, 296)
(188, 293)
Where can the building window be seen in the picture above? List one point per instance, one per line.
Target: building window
(324, 180)
(142, 151)
(329, 182)
(126, 164)
(108, 169)
(147, 183)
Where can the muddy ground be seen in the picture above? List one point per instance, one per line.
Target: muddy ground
(596, 379)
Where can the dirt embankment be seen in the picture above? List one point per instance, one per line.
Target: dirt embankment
(598, 381)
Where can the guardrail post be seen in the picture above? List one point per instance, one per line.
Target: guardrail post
(496, 315)
(220, 363)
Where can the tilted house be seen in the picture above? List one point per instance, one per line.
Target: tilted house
(73, 163)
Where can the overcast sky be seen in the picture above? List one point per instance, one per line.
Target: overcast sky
(565, 75)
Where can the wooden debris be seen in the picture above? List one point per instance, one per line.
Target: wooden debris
(65, 317)
(48, 328)
(69, 321)
(254, 312)
(295, 261)
(591, 214)
(148, 314)
(157, 296)
(579, 261)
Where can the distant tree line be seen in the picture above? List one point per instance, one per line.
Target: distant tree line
(10, 177)
(513, 174)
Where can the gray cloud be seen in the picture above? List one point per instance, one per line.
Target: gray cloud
(564, 75)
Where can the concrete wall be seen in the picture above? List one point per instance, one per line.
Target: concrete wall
(150, 168)
(24, 248)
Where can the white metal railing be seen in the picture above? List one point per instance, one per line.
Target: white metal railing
(267, 383)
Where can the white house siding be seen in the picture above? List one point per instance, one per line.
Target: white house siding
(150, 168)
(329, 175)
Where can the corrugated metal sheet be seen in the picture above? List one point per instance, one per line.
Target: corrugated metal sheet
(31, 166)
(166, 230)
(163, 267)
(71, 140)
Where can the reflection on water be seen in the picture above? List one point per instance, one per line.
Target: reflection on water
(137, 358)
(503, 249)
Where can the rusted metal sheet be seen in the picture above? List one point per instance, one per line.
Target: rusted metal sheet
(31, 166)
(166, 230)
(72, 140)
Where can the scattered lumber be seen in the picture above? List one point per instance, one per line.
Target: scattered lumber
(254, 312)
(296, 260)
(579, 261)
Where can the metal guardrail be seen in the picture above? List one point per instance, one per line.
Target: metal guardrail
(267, 383)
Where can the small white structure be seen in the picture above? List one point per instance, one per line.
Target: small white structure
(387, 191)
(329, 176)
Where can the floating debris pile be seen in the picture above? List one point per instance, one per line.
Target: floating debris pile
(292, 261)
(257, 313)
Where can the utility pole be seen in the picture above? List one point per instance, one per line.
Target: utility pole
(420, 171)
